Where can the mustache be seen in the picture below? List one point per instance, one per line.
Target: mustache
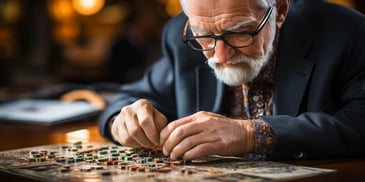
(236, 59)
(246, 70)
(239, 59)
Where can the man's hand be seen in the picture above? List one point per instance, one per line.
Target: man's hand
(139, 125)
(206, 133)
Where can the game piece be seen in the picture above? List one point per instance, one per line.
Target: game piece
(108, 162)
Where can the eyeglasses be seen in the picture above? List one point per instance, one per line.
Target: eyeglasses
(233, 39)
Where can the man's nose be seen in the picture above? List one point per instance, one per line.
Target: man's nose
(223, 52)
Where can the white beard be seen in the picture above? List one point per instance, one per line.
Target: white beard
(246, 68)
(239, 74)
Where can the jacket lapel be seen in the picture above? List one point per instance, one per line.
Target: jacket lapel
(293, 70)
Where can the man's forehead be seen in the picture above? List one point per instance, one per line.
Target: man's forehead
(216, 2)
(223, 22)
(220, 6)
(217, 11)
(225, 13)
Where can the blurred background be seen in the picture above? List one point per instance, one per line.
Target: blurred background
(47, 42)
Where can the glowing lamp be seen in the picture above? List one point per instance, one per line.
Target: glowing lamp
(88, 7)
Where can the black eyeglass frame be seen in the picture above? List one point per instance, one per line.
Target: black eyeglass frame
(187, 39)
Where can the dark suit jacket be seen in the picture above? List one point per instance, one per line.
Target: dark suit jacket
(319, 102)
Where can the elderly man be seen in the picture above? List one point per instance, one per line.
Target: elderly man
(264, 79)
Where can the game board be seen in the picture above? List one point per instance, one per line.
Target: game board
(108, 162)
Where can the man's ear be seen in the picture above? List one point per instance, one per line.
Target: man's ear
(282, 11)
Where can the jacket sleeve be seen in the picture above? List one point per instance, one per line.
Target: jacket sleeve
(157, 84)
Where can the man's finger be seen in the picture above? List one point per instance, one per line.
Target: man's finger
(125, 138)
(181, 133)
(136, 132)
(146, 116)
(166, 132)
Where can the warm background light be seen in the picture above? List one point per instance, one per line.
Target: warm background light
(72, 40)
(173, 7)
(61, 10)
(343, 2)
(88, 7)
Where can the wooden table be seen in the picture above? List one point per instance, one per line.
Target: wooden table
(18, 135)
(13, 136)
